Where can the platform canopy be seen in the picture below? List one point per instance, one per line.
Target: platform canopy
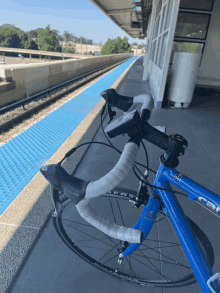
(130, 15)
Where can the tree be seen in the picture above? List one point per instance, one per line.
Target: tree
(190, 47)
(90, 42)
(125, 47)
(60, 38)
(48, 40)
(11, 26)
(13, 37)
(117, 46)
(110, 47)
(84, 40)
(67, 37)
(34, 33)
(120, 45)
(68, 50)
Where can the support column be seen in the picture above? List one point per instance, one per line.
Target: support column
(30, 57)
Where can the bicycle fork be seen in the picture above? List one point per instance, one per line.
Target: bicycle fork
(144, 224)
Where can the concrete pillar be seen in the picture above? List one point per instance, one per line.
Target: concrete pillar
(3, 57)
(30, 57)
(40, 57)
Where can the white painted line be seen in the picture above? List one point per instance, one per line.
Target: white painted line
(30, 227)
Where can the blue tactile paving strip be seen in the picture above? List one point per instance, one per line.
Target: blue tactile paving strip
(22, 157)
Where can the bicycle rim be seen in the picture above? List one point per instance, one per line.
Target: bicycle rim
(155, 258)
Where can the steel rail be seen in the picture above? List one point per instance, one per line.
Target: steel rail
(52, 91)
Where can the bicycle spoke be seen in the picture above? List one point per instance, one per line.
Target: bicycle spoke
(110, 259)
(162, 241)
(90, 235)
(159, 220)
(91, 227)
(111, 239)
(175, 264)
(80, 223)
(107, 252)
(149, 267)
(90, 240)
(154, 266)
(165, 256)
(162, 246)
(129, 262)
(94, 247)
(120, 212)
(157, 216)
(112, 210)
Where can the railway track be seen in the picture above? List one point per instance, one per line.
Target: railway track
(17, 119)
(13, 113)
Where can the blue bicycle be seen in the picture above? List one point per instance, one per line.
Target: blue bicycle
(164, 248)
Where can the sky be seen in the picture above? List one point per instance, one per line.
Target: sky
(79, 17)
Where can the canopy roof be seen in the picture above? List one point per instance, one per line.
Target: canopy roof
(130, 15)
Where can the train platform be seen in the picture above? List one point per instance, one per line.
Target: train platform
(34, 259)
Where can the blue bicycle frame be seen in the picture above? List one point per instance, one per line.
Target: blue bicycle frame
(189, 242)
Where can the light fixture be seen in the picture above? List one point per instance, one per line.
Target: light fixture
(19, 55)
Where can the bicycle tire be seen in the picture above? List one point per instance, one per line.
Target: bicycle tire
(127, 194)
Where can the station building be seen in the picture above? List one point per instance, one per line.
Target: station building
(169, 26)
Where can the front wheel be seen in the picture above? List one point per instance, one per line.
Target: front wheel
(159, 261)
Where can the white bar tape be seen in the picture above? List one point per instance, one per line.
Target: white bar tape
(102, 224)
(146, 100)
(116, 175)
(105, 184)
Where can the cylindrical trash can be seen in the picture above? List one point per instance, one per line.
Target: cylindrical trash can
(183, 78)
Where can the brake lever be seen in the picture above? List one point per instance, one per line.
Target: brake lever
(111, 113)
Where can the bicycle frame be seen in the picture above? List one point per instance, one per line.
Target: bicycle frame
(189, 242)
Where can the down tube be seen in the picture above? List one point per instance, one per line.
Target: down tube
(189, 242)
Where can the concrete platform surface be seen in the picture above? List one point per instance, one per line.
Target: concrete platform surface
(52, 267)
